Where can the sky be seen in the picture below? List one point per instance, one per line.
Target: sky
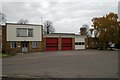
(67, 15)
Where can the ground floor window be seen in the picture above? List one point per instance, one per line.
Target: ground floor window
(13, 44)
(79, 43)
(35, 44)
(0, 44)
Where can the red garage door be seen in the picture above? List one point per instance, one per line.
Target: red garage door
(66, 43)
(51, 44)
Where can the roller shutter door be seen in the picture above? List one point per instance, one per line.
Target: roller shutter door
(66, 43)
(51, 44)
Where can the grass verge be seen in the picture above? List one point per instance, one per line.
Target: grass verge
(5, 55)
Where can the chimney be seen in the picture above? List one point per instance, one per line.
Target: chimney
(83, 32)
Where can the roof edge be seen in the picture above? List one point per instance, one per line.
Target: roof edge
(23, 24)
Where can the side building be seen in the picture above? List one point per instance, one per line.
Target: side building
(21, 38)
(90, 42)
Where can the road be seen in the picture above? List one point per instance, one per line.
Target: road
(63, 64)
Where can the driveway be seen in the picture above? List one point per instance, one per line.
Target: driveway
(62, 64)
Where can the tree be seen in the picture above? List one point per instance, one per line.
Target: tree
(48, 27)
(108, 29)
(2, 18)
(23, 21)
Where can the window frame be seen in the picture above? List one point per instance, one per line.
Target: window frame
(18, 30)
(13, 44)
(35, 44)
(82, 43)
(79, 43)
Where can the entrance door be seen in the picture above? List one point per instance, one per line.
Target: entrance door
(24, 46)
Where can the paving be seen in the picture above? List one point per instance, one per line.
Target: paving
(63, 64)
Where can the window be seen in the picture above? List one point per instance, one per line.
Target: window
(30, 32)
(76, 43)
(12, 44)
(79, 43)
(82, 43)
(35, 44)
(24, 32)
(0, 44)
(92, 43)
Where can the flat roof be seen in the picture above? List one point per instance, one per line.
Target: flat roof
(64, 33)
(23, 24)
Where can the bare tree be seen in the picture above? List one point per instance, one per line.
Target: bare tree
(48, 27)
(23, 21)
(2, 18)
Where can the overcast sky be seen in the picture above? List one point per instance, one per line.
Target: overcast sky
(67, 16)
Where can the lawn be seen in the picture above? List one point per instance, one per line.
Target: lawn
(4, 55)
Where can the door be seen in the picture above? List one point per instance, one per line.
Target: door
(24, 46)
(51, 44)
(66, 43)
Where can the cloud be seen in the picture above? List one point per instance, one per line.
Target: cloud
(67, 16)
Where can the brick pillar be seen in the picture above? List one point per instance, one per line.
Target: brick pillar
(30, 46)
(43, 44)
(90, 43)
(4, 42)
(73, 43)
(86, 42)
(19, 46)
(59, 43)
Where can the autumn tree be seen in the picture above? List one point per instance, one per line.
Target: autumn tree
(48, 27)
(108, 28)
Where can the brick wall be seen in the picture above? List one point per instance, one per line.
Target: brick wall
(73, 43)
(31, 49)
(92, 43)
(6, 44)
(43, 44)
(59, 43)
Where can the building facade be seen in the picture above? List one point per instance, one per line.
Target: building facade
(63, 41)
(80, 42)
(17, 38)
(21, 38)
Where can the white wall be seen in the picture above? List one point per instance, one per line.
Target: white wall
(80, 39)
(11, 32)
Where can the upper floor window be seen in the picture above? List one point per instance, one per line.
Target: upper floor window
(24, 32)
